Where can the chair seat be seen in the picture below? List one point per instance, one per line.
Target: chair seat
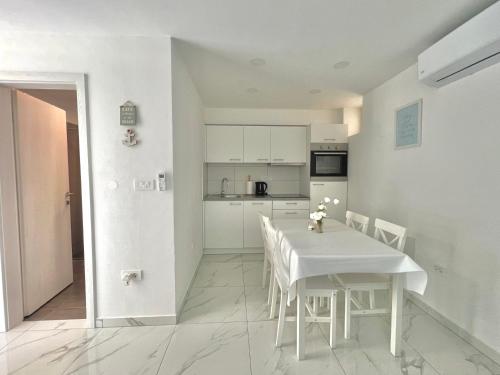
(362, 279)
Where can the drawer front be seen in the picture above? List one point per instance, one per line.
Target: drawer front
(290, 214)
(291, 205)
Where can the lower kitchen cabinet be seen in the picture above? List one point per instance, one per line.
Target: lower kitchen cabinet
(223, 224)
(331, 189)
(252, 236)
(290, 214)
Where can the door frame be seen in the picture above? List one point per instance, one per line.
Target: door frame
(77, 81)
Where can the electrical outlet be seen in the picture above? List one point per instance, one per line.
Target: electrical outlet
(144, 185)
(130, 275)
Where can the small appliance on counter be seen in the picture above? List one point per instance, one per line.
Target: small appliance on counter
(260, 188)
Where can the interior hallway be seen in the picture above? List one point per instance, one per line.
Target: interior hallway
(70, 303)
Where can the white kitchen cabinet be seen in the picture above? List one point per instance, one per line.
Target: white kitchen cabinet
(223, 224)
(252, 236)
(224, 144)
(331, 189)
(302, 204)
(329, 133)
(288, 144)
(290, 214)
(257, 144)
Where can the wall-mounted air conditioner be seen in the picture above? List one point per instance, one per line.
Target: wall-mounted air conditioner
(471, 47)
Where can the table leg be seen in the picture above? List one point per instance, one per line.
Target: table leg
(396, 314)
(301, 299)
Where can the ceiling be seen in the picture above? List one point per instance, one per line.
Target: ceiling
(299, 40)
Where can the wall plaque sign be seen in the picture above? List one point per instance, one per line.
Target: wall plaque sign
(408, 125)
(128, 114)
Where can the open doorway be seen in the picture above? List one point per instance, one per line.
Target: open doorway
(54, 113)
(45, 199)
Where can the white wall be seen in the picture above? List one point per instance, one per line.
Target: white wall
(188, 150)
(132, 229)
(264, 116)
(352, 117)
(445, 192)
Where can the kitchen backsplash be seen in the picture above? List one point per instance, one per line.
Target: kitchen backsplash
(280, 179)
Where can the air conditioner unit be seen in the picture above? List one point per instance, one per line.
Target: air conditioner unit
(466, 50)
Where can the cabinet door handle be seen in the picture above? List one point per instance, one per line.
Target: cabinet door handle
(235, 159)
(291, 213)
(257, 203)
(235, 204)
(318, 184)
(330, 139)
(291, 203)
(278, 159)
(262, 159)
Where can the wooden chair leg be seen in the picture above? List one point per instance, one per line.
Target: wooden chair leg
(347, 317)
(264, 271)
(333, 320)
(281, 318)
(274, 292)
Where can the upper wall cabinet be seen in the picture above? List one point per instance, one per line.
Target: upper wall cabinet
(288, 144)
(224, 144)
(257, 144)
(330, 133)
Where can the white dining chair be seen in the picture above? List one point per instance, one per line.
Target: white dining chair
(390, 234)
(357, 221)
(320, 286)
(268, 258)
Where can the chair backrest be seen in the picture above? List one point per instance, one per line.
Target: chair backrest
(398, 234)
(357, 221)
(262, 221)
(275, 238)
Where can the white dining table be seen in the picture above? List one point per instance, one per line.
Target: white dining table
(340, 249)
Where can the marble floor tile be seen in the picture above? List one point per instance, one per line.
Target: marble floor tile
(44, 325)
(267, 359)
(256, 303)
(445, 351)
(9, 337)
(367, 352)
(252, 273)
(127, 350)
(205, 305)
(221, 258)
(23, 326)
(208, 349)
(44, 352)
(258, 257)
(219, 274)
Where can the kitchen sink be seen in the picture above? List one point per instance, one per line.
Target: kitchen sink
(230, 196)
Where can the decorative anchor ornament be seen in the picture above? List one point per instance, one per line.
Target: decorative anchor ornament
(130, 139)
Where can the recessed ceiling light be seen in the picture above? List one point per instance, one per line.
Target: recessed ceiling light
(314, 91)
(342, 65)
(258, 61)
(252, 90)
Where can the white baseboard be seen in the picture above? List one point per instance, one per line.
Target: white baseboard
(181, 307)
(459, 331)
(136, 321)
(245, 250)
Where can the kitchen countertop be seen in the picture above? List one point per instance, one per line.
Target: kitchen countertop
(268, 197)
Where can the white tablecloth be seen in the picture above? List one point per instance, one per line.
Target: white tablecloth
(340, 249)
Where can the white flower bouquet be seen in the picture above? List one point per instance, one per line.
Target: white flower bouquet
(318, 215)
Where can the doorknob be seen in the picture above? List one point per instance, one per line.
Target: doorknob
(67, 197)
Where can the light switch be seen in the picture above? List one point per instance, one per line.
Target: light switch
(144, 185)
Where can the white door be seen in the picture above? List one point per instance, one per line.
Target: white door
(288, 144)
(257, 144)
(331, 189)
(252, 231)
(224, 225)
(329, 133)
(42, 167)
(224, 144)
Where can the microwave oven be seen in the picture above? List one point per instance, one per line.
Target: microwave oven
(329, 160)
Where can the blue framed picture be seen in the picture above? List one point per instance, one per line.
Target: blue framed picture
(408, 125)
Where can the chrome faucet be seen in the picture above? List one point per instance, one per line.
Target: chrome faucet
(222, 192)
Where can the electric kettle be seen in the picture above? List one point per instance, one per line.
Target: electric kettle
(260, 188)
